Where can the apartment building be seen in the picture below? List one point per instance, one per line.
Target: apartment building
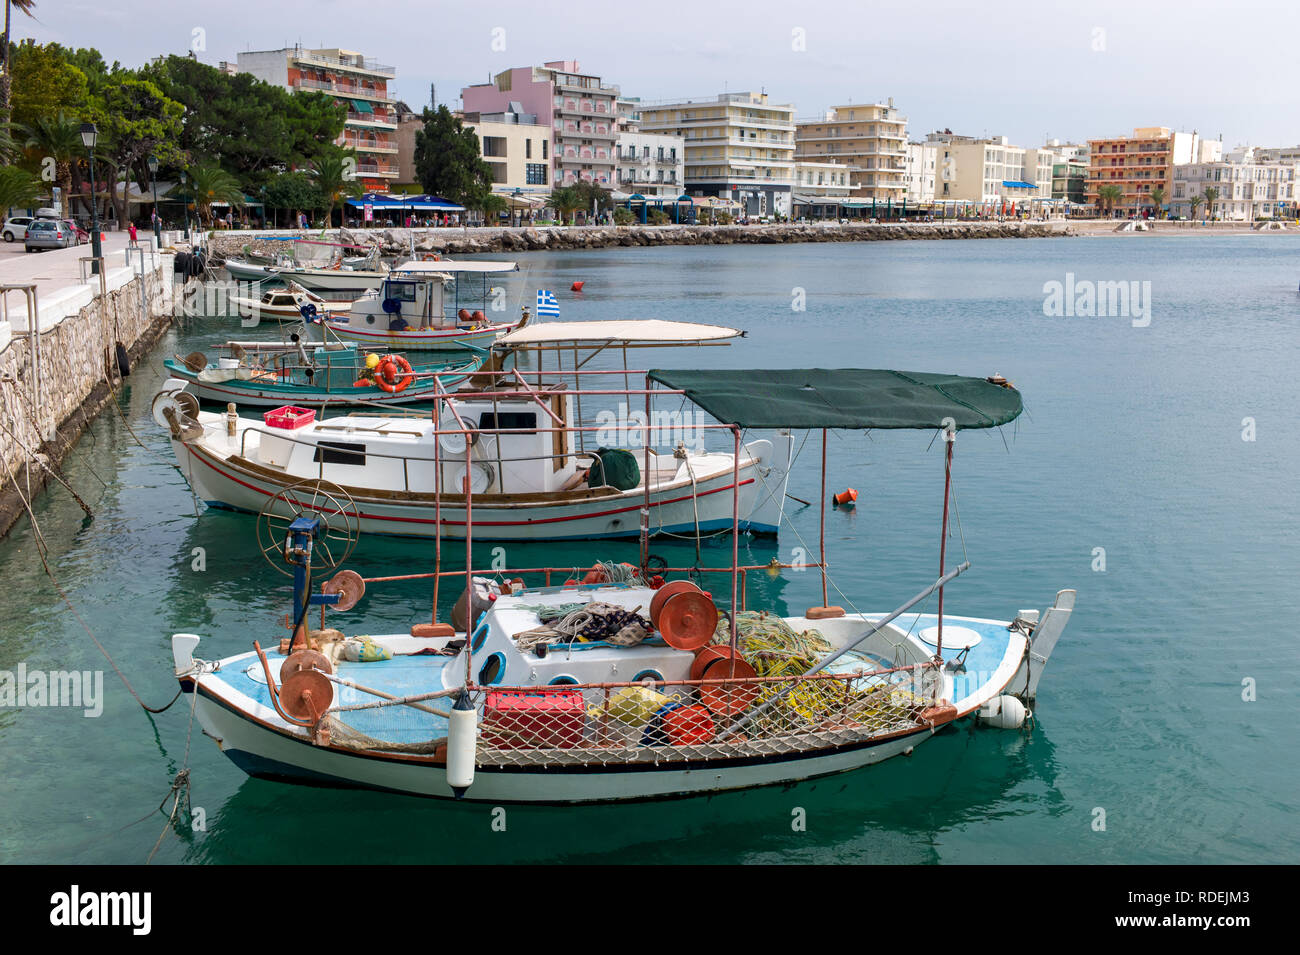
(1069, 170)
(821, 188)
(1247, 186)
(651, 164)
(989, 170)
(1142, 162)
(871, 137)
(738, 146)
(919, 167)
(579, 108)
(354, 81)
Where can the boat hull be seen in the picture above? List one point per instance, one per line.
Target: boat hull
(261, 749)
(451, 339)
(222, 482)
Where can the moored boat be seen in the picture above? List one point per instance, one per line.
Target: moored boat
(625, 685)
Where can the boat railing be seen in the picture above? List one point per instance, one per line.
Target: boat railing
(783, 711)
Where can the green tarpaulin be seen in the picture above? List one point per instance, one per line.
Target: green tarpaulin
(844, 398)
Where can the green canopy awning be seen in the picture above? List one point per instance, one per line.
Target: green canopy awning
(845, 398)
(361, 106)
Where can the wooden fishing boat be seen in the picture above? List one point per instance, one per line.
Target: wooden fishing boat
(272, 375)
(625, 684)
(411, 310)
(528, 464)
(287, 303)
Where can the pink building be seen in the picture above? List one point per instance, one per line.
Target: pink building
(579, 109)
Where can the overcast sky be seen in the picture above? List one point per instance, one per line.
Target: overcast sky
(1026, 69)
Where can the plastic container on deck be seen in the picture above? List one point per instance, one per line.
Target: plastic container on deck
(526, 719)
(289, 417)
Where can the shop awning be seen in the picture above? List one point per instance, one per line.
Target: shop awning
(1017, 184)
(844, 398)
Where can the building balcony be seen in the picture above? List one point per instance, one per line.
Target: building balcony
(371, 121)
(363, 145)
(349, 90)
(376, 169)
(335, 63)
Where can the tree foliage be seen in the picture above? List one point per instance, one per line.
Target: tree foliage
(448, 161)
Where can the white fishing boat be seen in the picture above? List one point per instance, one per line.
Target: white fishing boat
(424, 306)
(526, 464)
(287, 303)
(629, 686)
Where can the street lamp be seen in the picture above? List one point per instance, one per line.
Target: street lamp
(89, 136)
(185, 204)
(157, 221)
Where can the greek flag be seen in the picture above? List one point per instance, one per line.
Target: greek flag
(547, 304)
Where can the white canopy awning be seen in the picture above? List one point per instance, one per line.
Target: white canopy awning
(648, 330)
(444, 265)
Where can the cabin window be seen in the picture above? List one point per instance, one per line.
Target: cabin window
(339, 452)
(525, 421)
(402, 291)
(493, 670)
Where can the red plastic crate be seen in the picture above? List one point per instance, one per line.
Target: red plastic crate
(535, 718)
(289, 417)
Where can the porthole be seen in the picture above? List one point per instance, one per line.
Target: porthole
(492, 672)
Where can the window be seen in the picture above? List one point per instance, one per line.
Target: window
(494, 146)
(528, 149)
(535, 174)
(525, 421)
(545, 143)
(339, 452)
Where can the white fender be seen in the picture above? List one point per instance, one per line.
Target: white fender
(462, 741)
(1003, 712)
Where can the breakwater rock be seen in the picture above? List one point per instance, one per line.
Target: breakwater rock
(529, 239)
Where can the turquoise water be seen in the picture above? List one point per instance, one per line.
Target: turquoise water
(1132, 442)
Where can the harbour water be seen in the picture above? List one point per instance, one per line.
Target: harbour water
(1154, 471)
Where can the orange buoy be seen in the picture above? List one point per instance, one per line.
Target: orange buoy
(727, 699)
(478, 316)
(687, 725)
(687, 620)
(846, 498)
(465, 315)
(710, 655)
(666, 591)
(577, 286)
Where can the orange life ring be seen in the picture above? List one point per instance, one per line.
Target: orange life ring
(393, 374)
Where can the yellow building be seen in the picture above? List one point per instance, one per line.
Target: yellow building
(1142, 162)
(871, 137)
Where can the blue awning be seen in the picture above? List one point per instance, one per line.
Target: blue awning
(1015, 184)
(422, 203)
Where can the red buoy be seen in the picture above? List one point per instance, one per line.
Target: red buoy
(576, 286)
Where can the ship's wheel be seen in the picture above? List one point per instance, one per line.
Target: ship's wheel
(333, 539)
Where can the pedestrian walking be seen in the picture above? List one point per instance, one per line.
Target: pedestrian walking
(130, 231)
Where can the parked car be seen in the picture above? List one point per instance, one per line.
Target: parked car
(16, 228)
(48, 234)
(81, 234)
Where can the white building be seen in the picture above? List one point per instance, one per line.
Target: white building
(919, 166)
(650, 164)
(1247, 187)
(820, 188)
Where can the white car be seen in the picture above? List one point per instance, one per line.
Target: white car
(16, 228)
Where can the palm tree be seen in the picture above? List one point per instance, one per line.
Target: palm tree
(18, 188)
(565, 200)
(490, 204)
(209, 184)
(1108, 195)
(1195, 203)
(59, 138)
(24, 6)
(1211, 196)
(335, 179)
(1157, 196)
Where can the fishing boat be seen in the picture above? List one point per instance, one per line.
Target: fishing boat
(276, 375)
(411, 309)
(243, 270)
(631, 682)
(287, 303)
(528, 464)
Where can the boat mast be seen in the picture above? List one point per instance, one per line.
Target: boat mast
(949, 439)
